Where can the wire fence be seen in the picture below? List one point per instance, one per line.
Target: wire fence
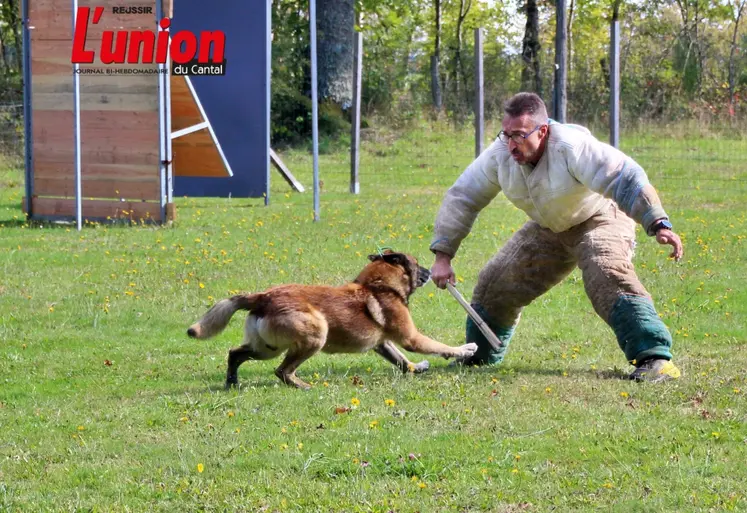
(12, 135)
(690, 163)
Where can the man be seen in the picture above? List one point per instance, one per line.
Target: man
(583, 198)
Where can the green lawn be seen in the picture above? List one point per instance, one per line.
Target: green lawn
(106, 405)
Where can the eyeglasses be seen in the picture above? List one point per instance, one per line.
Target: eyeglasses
(517, 138)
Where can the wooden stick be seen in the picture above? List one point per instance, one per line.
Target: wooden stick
(494, 340)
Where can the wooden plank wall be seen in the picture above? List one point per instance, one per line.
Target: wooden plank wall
(194, 154)
(118, 114)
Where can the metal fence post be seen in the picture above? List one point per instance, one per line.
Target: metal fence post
(479, 94)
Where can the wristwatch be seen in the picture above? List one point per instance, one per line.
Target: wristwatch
(664, 223)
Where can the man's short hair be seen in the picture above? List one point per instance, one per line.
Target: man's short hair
(526, 103)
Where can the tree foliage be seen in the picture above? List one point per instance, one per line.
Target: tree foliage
(679, 59)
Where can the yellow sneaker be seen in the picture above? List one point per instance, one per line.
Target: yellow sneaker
(655, 370)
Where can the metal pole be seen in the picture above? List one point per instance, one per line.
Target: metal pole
(28, 140)
(169, 148)
(479, 95)
(268, 97)
(314, 107)
(355, 139)
(561, 61)
(615, 81)
(76, 117)
(163, 134)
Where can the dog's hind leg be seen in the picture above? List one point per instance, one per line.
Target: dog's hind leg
(394, 356)
(252, 348)
(311, 330)
(236, 357)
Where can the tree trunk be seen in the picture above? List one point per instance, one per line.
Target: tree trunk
(336, 23)
(6, 65)
(531, 79)
(11, 17)
(436, 59)
(458, 71)
(690, 46)
(739, 5)
(435, 83)
(604, 65)
(569, 32)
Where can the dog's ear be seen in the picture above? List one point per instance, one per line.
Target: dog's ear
(395, 259)
(374, 258)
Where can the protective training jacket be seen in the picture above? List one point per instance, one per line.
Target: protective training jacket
(577, 176)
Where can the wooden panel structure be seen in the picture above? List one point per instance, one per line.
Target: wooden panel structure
(194, 154)
(119, 118)
(98, 209)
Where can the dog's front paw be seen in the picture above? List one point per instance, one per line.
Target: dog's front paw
(467, 350)
(417, 368)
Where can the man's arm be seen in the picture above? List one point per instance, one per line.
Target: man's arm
(611, 173)
(473, 190)
(608, 171)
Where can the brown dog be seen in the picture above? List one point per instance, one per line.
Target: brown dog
(369, 313)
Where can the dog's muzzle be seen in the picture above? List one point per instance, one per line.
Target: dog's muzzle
(423, 276)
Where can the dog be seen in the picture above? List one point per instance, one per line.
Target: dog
(371, 312)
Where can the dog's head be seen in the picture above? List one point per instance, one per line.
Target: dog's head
(412, 274)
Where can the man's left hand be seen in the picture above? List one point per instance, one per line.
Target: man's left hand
(665, 236)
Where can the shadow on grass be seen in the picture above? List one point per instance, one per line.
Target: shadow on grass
(363, 373)
(513, 371)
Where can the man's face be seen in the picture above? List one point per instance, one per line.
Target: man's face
(529, 149)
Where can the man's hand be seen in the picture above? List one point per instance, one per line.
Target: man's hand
(442, 272)
(665, 236)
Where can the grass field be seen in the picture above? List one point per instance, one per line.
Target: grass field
(106, 405)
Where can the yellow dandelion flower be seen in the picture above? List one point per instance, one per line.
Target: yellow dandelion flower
(548, 390)
(422, 485)
(624, 395)
(355, 401)
(373, 424)
(389, 402)
(230, 413)
(200, 468)
(300, 446)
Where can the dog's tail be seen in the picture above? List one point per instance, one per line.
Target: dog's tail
(216, 319)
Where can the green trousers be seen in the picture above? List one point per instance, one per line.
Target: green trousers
(535, 259)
